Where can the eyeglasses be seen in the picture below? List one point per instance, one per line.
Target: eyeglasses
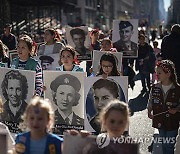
(104, 66)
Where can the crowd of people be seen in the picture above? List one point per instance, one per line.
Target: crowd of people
(158, 69)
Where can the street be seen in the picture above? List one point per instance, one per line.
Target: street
(140, 124)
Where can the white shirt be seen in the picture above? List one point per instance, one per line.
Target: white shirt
(166, 88)
(48, 49)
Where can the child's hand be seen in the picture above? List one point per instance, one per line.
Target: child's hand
(91, 70)
(150, 115)
(44, 88)
(83, 133)
(173, 110)
(73, 132)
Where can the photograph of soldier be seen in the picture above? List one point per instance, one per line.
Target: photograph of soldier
(46, 62)
(65, 89)
(79, 39)
(125, 44)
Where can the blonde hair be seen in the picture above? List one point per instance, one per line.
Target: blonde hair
(44, 104)
(114, 105)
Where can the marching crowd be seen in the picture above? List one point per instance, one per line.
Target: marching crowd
(162, 63)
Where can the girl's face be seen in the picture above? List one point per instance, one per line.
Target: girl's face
(161, 75)
(106, 46)
(48, 37)
(37, 120)
(23, 50)
(67, 58)
(107, 67)
(115, 123)
(102, 97)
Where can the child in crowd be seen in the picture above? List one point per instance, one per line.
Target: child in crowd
(4, 128)
(156, 49)
(106, 45)
(158, 58)
(164, 104)
(108, 66)
(26, 62)
(114, 118)
(39, 119)
(52, 43)
(67, 60)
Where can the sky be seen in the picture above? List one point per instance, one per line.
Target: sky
(166, 4)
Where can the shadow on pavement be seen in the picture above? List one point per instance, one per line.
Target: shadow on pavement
(139, 103)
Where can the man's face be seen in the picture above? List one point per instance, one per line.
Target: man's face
(126, 33)
(65, 97)
(78, 40)
(14, 92)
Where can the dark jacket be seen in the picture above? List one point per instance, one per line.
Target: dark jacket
(76, 120)
(7, 115)
(170, 48)
(161, 103)
(145, 54)
(121, 47)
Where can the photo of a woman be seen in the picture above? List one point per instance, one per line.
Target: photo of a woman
(101, 92)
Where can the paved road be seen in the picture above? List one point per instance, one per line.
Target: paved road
(140, 124)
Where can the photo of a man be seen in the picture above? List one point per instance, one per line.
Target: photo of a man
(65, 90)
(46, 62)
(14, 89)
(125, 44)
(79, 39)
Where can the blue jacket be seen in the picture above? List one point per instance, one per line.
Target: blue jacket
(53, 143)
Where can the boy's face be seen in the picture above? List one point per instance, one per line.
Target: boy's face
(126, 33)
(78, 40)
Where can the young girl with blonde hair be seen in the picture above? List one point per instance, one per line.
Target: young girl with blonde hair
(38, 120)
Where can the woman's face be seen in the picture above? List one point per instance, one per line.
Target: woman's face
(102, 97)
(107, 67)
(48, 37)
(23, 50)
(67, 58)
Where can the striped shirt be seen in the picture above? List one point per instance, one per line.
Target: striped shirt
(38, 78)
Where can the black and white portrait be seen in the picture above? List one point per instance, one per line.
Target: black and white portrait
(97, 57)
(79, 38)
(66, 91)
(12, 54)
(125, 37)
(49, 62)
(98, 93)
(16, 90)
